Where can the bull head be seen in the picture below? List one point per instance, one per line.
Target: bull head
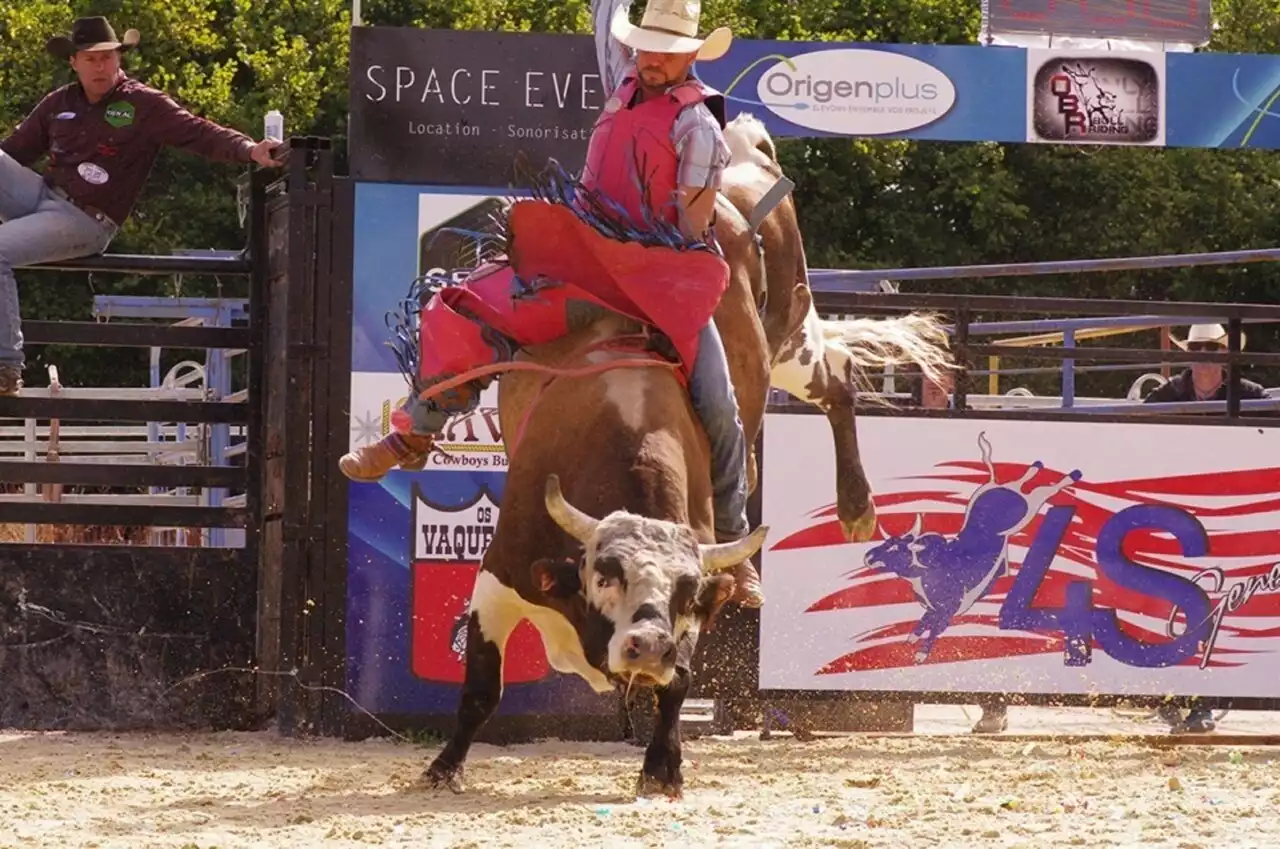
(715, 557)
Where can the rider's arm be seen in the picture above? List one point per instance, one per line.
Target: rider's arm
(613, 57)
(31, 140)
(703, 155)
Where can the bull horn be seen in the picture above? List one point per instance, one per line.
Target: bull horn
(572, 520)
(917, 527)
(725, 555)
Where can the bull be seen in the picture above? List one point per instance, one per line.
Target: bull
(605, 539)
(948, 576)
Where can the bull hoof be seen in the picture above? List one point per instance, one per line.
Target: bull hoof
(649, 785)
(862, 528)
(440, 774)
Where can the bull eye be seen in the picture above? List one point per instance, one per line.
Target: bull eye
(603, 583)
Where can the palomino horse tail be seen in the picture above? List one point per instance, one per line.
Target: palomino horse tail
(874, 343)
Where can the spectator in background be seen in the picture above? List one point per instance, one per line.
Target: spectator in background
(937, 395)
(1199, 382)
(1203, 381)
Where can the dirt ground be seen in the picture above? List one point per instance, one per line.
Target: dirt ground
(258, 790)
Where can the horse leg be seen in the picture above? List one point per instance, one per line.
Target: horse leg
(803, 369)
(495, 611)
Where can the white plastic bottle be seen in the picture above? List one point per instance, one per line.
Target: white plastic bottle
(273, 125)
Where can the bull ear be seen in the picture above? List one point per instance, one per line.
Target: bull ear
(557, 578)
(713, 592)
(726, 555)
(572, 521)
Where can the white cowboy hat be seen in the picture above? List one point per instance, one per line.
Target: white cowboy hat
(1201, 333)
(671, 26)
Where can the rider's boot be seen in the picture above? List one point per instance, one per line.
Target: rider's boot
(371, 462)
(711, 391)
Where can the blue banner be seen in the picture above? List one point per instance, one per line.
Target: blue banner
(894, 90)
(1222, 100)
(415, 539)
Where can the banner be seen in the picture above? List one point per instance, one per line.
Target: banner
(1025, 557)
(416, 539)
(482, 109)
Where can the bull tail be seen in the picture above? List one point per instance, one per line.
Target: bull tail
(874, 343)
(986, 454)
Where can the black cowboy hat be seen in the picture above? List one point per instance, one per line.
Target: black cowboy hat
(90, 34)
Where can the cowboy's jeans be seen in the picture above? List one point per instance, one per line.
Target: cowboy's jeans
(711, 391)
(36, 226)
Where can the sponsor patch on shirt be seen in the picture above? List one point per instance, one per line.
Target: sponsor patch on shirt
(64, 116)
(119, 114)
(95, 174)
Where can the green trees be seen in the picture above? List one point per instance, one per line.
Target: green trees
(881, 203)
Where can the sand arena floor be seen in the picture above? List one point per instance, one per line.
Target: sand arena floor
(258, 790)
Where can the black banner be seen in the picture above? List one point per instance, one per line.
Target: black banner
(1176, 21)
(468, 108)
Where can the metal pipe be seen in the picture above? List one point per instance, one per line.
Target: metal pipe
(838, 277)
(141, 264)
(1068, 371)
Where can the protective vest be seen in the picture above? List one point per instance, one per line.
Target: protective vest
(630, 158)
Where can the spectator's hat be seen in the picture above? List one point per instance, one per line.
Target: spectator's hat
(91, 34)
(1205, 334)
(670, 26)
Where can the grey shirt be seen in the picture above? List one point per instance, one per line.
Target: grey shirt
(696, 134)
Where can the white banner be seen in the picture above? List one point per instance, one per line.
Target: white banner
(1063, 577)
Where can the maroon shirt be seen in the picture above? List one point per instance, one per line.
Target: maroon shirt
(101, 153)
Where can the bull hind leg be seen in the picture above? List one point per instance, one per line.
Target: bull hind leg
(495, 612)
(1039, 496)
(804, 369)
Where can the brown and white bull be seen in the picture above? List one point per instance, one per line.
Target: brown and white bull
(605, 539)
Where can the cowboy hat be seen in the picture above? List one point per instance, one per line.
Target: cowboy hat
(1214, 334)
(670, 26)
(90, 34)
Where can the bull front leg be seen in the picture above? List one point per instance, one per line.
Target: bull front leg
(931, 626)
(495, 612)
(662, 759)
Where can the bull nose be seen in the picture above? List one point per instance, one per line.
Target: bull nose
(649, 648)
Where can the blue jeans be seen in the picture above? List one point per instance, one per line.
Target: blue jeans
(711, 391)
(36, 226)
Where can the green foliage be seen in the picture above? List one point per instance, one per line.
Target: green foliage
(880, 203)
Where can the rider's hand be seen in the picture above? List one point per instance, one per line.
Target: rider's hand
(262, 151)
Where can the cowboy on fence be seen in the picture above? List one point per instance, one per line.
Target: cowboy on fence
(102, 134)
(652, 174)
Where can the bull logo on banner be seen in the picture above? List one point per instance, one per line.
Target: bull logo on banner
(1133, 571)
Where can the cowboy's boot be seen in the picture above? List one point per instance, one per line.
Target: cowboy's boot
(371, 462)
(747, 590)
